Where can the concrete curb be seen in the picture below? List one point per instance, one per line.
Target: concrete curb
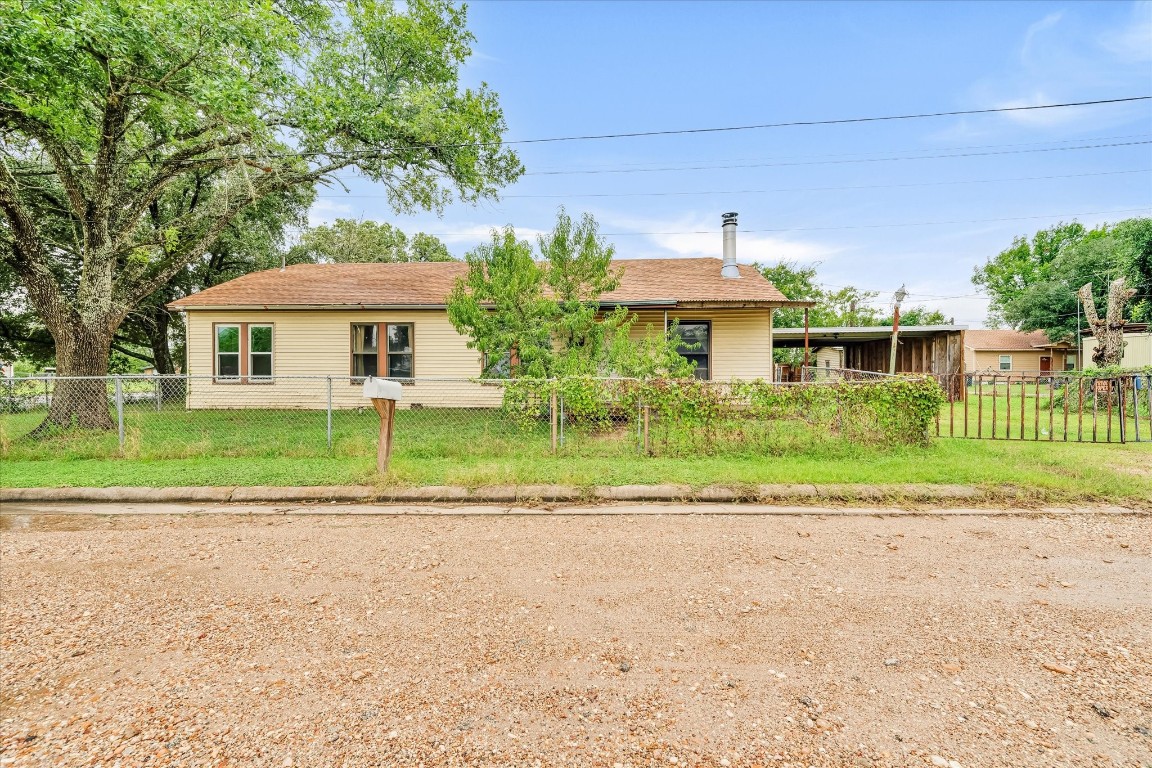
(774, 493)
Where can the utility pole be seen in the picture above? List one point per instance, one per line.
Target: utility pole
(899, 296)
(1079, 342)
(804, 368)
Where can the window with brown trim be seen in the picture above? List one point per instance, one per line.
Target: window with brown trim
(242, 352)
(384, 350)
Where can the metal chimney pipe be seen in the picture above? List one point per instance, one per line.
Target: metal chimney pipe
(729, 270)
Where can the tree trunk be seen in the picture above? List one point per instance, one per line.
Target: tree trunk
(157, 327)
(1109, 331)
(82, 403)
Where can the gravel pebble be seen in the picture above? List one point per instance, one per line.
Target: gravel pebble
(502, 641)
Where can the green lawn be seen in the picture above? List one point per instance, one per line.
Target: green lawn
(1038, 413)
(477, 448)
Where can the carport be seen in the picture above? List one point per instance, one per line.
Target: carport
(935, 349)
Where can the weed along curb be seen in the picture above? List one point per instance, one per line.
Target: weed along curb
(543, 494)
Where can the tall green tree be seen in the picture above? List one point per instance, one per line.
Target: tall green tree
(349, 240)
(918, 315)
(1033, 283)
(135, 132)
(539, 314)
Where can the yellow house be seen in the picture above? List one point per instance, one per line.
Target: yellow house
(1015, 353)
(248, 337)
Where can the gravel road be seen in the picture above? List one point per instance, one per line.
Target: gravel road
(576, 641)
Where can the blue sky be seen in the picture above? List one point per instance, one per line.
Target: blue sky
(825, 194)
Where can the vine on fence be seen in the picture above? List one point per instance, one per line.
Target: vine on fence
(689, 415)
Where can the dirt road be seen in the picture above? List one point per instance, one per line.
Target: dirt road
(576, 640)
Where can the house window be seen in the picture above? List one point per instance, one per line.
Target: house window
(260, 351)
(696, 345)
(228, 351)
(1005, 362)
(382, 349)
(243, 352)
(1070, 362)
(496, 367)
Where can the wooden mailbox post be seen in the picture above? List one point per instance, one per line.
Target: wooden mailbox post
(384, 395)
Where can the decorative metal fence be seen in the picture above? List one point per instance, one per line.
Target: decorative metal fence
(1046, 406)
(183, 416)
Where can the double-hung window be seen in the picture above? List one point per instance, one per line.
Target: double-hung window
(1005, 362)
(228, 351)
(382, 349)
(260, 351)
(243, 352)
(696, 345)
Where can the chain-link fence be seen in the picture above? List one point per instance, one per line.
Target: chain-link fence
(159, 417)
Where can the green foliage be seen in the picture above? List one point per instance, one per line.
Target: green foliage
(539, 315)
(919, 315)
(136, 133)
(690, 416)
(1033, 283)
(848, 306)
(349, 240)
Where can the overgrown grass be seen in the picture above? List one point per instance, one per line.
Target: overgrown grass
(455, 447)
(1038, 413)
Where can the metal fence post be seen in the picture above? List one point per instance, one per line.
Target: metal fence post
(561, 421)
(159, 392)
(119, 409)
(329, 414)
(552, 415)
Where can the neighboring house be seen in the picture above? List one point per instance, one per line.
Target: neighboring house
(1016, 353)
(1137, 346)
(349, 321)
(828, 357)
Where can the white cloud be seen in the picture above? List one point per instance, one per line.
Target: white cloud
(697, 236)
(1060, 60)
(1035, 29)
(325, 212)
(1133, 42)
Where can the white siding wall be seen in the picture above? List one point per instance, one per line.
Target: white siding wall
(741, 339)
(319, 343)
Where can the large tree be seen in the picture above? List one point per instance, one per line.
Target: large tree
(350, 240)
(133, 133)
(538, 314)
(1033, 284)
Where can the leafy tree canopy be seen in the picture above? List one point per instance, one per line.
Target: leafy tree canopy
(349, 240)
(845, 306)
(538, 314)
(1033, 283)
(134, 133)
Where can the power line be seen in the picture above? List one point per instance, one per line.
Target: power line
(902, 224)
(833, 162)
(839, 121)
(811, 155)
(849, 226)
(352, 154)
(788, 189)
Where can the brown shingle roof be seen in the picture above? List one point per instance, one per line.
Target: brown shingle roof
(428, 284)
(994, 339)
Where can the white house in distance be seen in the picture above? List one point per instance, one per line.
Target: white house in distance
(350, 321)
(1137, 346)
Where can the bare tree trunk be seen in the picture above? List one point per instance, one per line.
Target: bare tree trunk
(157, 328)
(80, 351)
(1109, 332)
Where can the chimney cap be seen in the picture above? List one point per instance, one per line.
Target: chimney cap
(729, 218)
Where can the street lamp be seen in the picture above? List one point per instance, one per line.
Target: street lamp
(899, 297)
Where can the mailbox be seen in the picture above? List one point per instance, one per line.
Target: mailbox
(382, 389)
(384, 394)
